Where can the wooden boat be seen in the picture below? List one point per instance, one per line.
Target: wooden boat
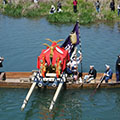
(52, 70)
(23, 80)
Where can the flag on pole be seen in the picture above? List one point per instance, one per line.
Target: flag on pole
(72, 40)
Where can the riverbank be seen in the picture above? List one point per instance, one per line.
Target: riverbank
(86, 11)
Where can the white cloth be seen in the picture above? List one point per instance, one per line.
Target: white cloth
(59, 10)
(87, 77)
(90, 79)
(80, 80)
(52, 10)
(35, 1)
(75, 62)
(118, 7)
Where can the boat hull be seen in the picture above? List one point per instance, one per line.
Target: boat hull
(22, 80)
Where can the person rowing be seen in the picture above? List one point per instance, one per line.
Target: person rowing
(108, 74)
(91, 75)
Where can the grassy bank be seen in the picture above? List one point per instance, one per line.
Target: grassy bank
(86, 12)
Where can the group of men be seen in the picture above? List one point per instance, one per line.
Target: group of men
(72, 70)
(93, 73)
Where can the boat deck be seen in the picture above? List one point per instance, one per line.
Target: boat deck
(23, 80)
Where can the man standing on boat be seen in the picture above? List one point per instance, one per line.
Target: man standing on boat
(1, 60)
(91, 75)
(108, 74)
(118, 69)
(2, 74)
(74, 65)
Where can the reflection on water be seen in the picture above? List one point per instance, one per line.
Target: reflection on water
(71, 105)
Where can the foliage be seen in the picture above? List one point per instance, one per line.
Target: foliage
(13, 10)
(86, 12)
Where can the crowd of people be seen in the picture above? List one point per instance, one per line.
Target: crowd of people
(75, 3)
(112, 6)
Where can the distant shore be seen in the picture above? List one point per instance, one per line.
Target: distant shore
(86, 11)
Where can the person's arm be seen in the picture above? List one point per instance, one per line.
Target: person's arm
(89, 73)
(109, 75)
(105, 73)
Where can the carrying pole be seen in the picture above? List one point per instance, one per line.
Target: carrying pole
(28, 96)
(56, 94)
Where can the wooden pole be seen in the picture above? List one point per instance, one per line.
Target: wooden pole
(101, 80)
(80, 46)
(28, 96)
(56, 95)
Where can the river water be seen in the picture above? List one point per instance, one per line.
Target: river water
(20, 44)
(70, 105)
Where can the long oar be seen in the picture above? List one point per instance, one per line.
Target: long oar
(101, 80)
(28, 96)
